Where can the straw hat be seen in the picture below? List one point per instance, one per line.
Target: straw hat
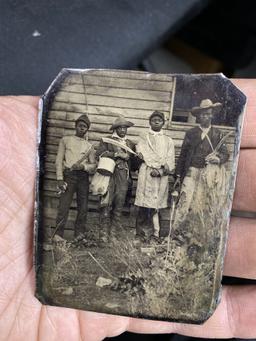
(205, 104)
(121, 122)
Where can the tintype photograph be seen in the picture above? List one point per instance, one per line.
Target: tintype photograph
(136, 174)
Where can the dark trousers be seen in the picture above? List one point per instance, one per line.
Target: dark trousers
(77, 182)
(118, 188)
(144, 218)
(121, 183)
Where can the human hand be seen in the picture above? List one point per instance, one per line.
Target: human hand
(77, 166)
(166, 169)
(155, 173)
(212, 159)
(61, 184)
(140, 156)
(177, 184)
(22, 315)
(122, 155)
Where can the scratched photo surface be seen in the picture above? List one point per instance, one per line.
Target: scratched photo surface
(136, 176)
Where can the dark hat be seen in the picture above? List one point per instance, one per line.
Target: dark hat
(121, 122)
(85, 119)
(204, 105)
(157, 113)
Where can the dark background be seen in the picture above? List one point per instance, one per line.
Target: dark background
(39, 38)
(81, 34)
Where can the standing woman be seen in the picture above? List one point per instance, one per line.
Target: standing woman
(157, 152)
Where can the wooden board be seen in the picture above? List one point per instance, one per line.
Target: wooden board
(104, 95)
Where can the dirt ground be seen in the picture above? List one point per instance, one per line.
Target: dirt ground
(155, 279)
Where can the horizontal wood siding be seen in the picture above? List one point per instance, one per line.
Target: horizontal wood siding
(104, 95)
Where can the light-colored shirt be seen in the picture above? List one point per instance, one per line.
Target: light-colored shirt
(71, 150)
(205, 131)
(157, 149)
(156, 133)
(120, 139)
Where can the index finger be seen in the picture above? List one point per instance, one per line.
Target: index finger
(248, 87)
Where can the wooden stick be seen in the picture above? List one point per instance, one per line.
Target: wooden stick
(108, 273)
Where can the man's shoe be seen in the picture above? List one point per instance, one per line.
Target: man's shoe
(140, 238)
(140, 233)
(154, 239)
(79, 238)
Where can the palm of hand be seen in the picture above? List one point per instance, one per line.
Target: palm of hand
(23, 317)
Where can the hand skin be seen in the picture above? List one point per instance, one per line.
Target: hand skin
(213, 159)
(166, 169)
(77, 166)
(155, 173)
(122, 155)
(22, 317)
(140, 156)
(61, 184)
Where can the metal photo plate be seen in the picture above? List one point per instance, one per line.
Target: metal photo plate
(136, 175)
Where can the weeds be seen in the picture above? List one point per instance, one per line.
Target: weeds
(172, 278)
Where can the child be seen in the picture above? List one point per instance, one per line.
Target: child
(157, 152)
(75, 159)
(113, 201)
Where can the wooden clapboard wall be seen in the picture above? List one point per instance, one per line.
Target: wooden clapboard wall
(105, 94)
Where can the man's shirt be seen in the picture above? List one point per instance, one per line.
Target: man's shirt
(194, 149)
(71, 150)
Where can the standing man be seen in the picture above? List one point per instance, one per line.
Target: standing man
(157, 152)
(75, 159)
(200, 170)
(112, 202)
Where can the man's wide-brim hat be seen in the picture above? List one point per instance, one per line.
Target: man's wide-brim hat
(84, 118)
(204, 105)
(121, 122)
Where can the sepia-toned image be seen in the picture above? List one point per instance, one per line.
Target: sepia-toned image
(135, 185)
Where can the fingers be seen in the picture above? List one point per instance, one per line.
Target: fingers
(58, 324)
(110, 325)
(26, 100)
(234, 317)
(248, 87)
(245, 188)
(17, 157)
(240, 259)
(225, 322)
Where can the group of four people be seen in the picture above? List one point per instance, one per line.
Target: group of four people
(154, 159)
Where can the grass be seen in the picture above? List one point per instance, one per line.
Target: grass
(172, 279)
